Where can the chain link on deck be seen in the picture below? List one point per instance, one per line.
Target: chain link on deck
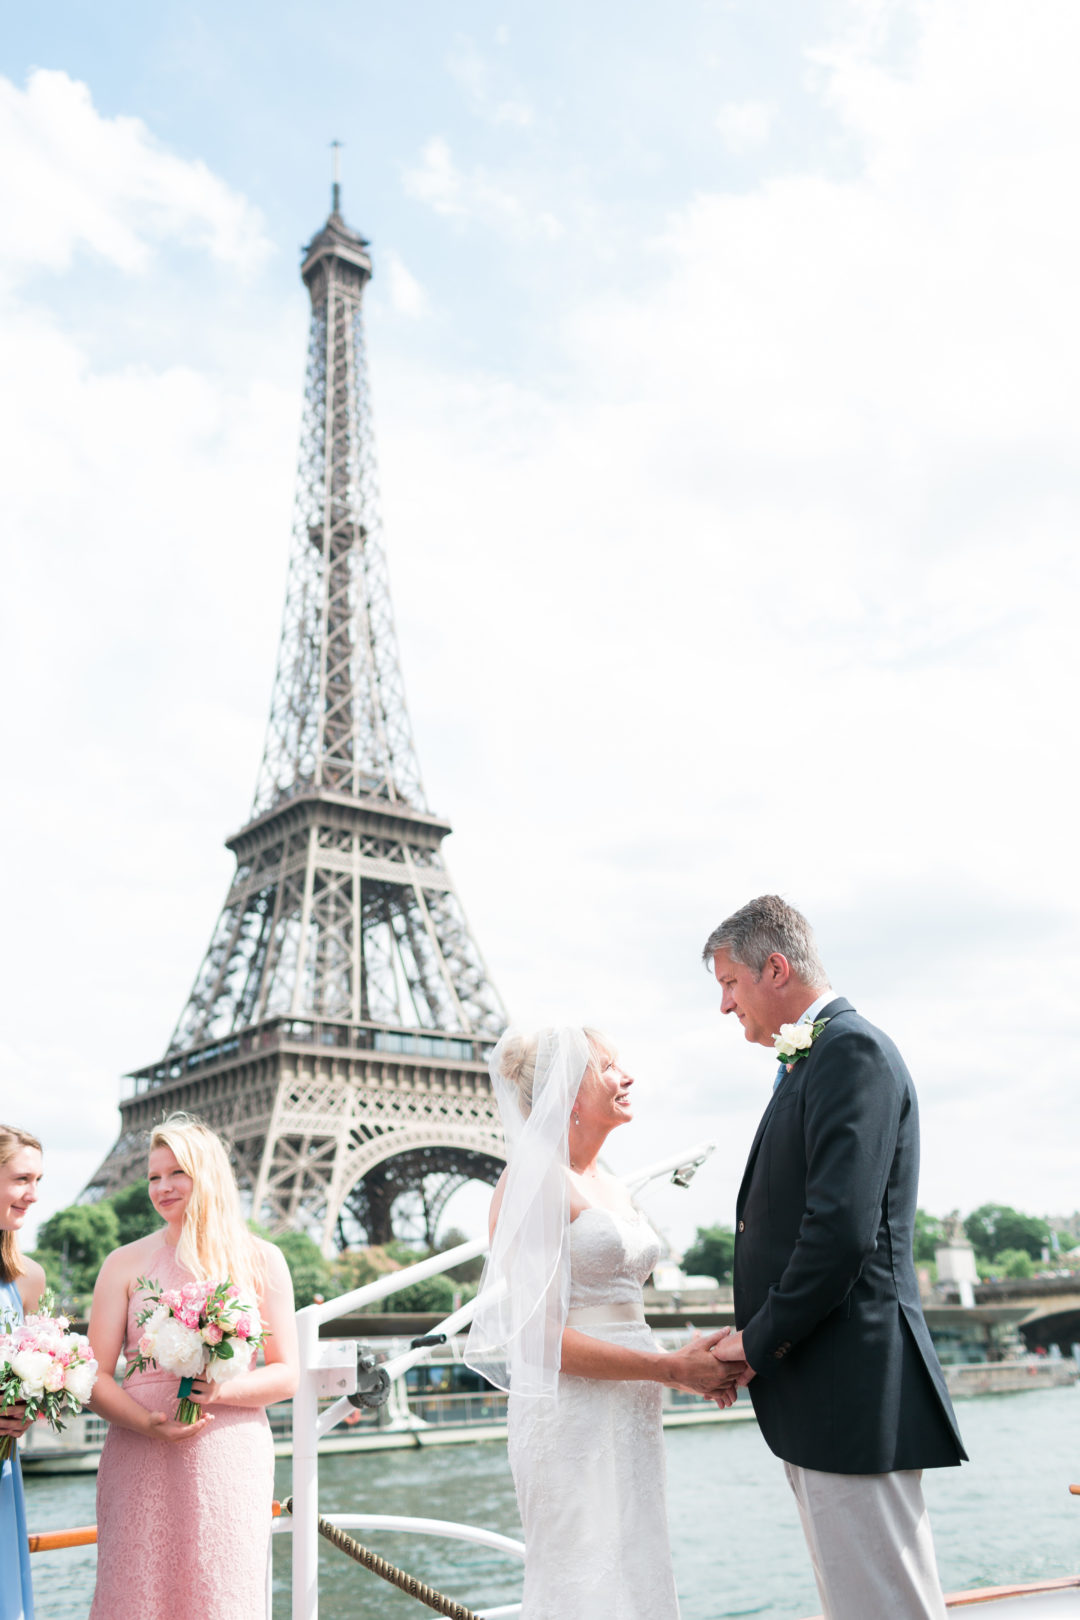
(389, 1572)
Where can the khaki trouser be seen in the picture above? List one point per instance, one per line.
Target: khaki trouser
(870, 1543)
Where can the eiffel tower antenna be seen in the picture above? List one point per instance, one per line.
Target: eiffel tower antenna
(335, 189)
(337, 1028)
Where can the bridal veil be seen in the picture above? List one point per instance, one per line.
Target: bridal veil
(516, 1336)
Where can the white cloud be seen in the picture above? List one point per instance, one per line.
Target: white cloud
(438, 181)
(73, 179)
(407, 296)
(477, 77)
(745, 125)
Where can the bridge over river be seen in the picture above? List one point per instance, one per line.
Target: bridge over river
(1046, 1310)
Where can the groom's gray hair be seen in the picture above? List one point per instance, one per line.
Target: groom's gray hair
(767, 924)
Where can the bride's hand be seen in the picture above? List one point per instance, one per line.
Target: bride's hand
(166, 1428)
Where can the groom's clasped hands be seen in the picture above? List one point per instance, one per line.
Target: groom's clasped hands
(713, 1365)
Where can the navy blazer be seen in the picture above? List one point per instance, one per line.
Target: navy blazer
(826, 1294)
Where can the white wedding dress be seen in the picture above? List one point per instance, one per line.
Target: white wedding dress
(589, 1467)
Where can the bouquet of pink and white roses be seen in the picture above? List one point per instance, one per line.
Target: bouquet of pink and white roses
(202, 1330)
(46, 1366)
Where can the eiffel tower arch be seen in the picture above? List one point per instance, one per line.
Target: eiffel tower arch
(337, 1028)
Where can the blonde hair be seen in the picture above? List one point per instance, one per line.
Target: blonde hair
(11, 1261)
(214, 1240)
(518, 1062)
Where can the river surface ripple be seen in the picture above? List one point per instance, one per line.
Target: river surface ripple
(1005, 1516)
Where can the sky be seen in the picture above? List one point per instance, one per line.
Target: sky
(723, 363)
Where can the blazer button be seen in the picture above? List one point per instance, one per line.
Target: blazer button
(742, 1226)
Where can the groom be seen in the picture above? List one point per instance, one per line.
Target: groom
(843, 1375)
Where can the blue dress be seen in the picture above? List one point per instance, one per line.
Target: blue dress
(16, 1597)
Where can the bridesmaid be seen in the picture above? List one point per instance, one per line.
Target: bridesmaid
(22, 1282)
(184, 1511)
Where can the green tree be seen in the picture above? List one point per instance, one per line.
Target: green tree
(72, 1245)
(401, 1254)
(352, 1269)
(929, 1236)
(471, 1271)
(135, 1214)
(436, 1294)
(1014, 1263)
(311, 1272)
(711, 1254)
(994, 1227)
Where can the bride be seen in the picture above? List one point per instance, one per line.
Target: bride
(560, 1323)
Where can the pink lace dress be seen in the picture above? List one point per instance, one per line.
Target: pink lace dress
(183, 1528)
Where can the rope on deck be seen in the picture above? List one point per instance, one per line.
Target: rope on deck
(389, 1572)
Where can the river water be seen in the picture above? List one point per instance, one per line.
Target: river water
(738, 1549)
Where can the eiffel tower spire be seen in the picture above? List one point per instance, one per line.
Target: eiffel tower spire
(337, 1026)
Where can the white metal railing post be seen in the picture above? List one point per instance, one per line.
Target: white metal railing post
(305, 1472)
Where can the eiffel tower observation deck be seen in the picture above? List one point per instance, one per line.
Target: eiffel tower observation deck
(337, 1028)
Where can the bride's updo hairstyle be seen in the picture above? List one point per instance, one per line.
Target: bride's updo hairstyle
(214, 1240)
(11, 1262)
(518, 1065)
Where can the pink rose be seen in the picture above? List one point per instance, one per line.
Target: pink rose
(146, 1346)
(212, 1333)
(243, 1327)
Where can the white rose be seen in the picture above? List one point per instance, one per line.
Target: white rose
(80, 1380)
(178, 1349)
(222, 1369)
(31, 1368)
(158, 1315)
(793, 1038)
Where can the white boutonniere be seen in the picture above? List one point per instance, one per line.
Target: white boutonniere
(795, 1040)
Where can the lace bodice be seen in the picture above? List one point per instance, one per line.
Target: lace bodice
(611, 1256)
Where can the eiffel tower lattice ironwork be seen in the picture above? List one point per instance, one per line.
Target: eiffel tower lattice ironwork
(337, 1028)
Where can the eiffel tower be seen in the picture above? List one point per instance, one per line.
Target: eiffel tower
(337, 1028)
